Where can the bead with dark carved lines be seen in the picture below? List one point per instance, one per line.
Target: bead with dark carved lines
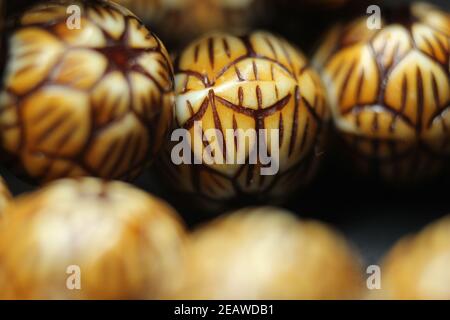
(93, 99)
(255, 82)
(389, 91)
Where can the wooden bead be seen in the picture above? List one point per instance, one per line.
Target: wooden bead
(90, 101)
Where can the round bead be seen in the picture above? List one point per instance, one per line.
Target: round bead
(256, 82)
(418, 267)
(267, 253)
(94, 99)
(118, 241)
(389, 90)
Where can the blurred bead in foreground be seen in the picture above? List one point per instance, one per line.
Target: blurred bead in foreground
(120, 241)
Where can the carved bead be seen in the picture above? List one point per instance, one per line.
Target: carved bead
(389, 91)
(257, 82)
(93, 101)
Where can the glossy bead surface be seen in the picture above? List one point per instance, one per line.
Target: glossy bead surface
(119, 241)
(389, 91)
(252, 83)
(267, 253)
(418, 267)
(90, 101)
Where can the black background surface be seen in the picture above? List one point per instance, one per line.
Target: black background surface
(372, 215)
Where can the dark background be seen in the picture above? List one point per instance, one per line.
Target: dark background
(371, 214)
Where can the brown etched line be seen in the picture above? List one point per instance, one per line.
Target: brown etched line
(248, 46)
(404, 93)
(303, 69)
(280, 129)
(277, 94)
(294, 129)
(241, 96)
(288, 57)
(345, 83)
(141, 70)
(380, 73)
(203, 78)
(442, 65)
(238, 73)
(63, 139)
(163, 63)
(217, 122)
(211, 51)
(199, 115)
(314, 104)
(357, 118)
(108, 154)
(40, 115)
(226, 47)
(191, 109)
(441, 45)
(311, 110)
(271, 47)
(28, 54)
(164, 76)
(55, 124)
(120, 155)
(125, 36)
(435, 90)
(255, 70)
(206, 142)
(236, 133)
(272, 75)
(185, 84)
(337, 71)
(196, 51)
(375, 124)
(25, 69)
(359, 108)
(277, 106)
(259, 97)
(241, 58)
(430, 46)
(234, 107)
(420, 98)
(113, 107)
